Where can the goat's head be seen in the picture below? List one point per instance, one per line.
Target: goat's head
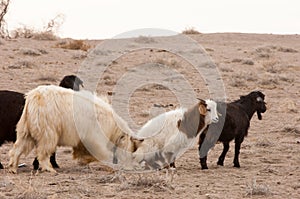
(257, 99)
(71, 81)
(211, 111)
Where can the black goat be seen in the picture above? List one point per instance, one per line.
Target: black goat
(11, 107)
(236, 125)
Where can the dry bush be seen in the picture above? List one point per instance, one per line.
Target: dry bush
(48, 36)
(269, 82)
(32, 52)
(47, 79)
(144, 40)
(3, 11)
(286, 50)
(27, 32)
(21, 65)
(167, 62)
(190, 31)
(235, 82)
(241, 79)
(159, 181)
(257, 189)
(248, 62)
(264, 142)
(226, 69)
(271, 66)
(293, 130)
(74, 45)
(47, 33)
(236, 60)
(209, 49)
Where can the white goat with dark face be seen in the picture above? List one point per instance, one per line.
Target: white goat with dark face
(168, 135)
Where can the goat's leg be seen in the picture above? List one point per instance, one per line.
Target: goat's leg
(236, 153)
(24, 145)
(1, 166)
(202, 159)
(45, 148)
(172, 165)
(35, 164)
(223, 154)
(53, 161)
(43, 157)
(203, 163)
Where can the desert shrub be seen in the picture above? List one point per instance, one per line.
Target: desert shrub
(32, 52)
(286, 50)
(47, 79)
(257, 189)
(21, 64)
(190, 31)
(248, 62)
(144, 39)
(74, 45)
(236, 60)
(47, 33)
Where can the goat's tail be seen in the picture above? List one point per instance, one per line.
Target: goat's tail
(23, 131)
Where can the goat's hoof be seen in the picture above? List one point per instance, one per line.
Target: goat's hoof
(12, 170)
(237, 165)
(204, 167)
(55, 165)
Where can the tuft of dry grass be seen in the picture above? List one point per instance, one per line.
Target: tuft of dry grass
(27, 32)
(144, 40)
(158, 181)
(73, 45)
(190, 31)
(257, 189)
(248, 62)
(264, 142)
(289, 129)
(22, 64)
(286, 50)
(47, 79)
(32, 52)
(44, 35)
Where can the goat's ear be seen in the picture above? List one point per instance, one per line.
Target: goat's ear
(136, 143)
(202, 109)
(201, 101)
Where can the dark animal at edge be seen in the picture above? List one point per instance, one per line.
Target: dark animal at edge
(11, 107)
(236, 125)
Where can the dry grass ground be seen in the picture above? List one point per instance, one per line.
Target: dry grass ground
(270, 160)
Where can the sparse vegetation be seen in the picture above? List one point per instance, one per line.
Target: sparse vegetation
(73, 45)
(159, 181)
(290, 129)
(32, 52)
(21, 64)
(3, 11)
(47, 79)
(144, 39)
(190, 31)
(248, 62)
(257, 189)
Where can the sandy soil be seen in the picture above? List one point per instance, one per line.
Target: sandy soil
(270, 155)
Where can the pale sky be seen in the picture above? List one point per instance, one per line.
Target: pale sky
(99, 19)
